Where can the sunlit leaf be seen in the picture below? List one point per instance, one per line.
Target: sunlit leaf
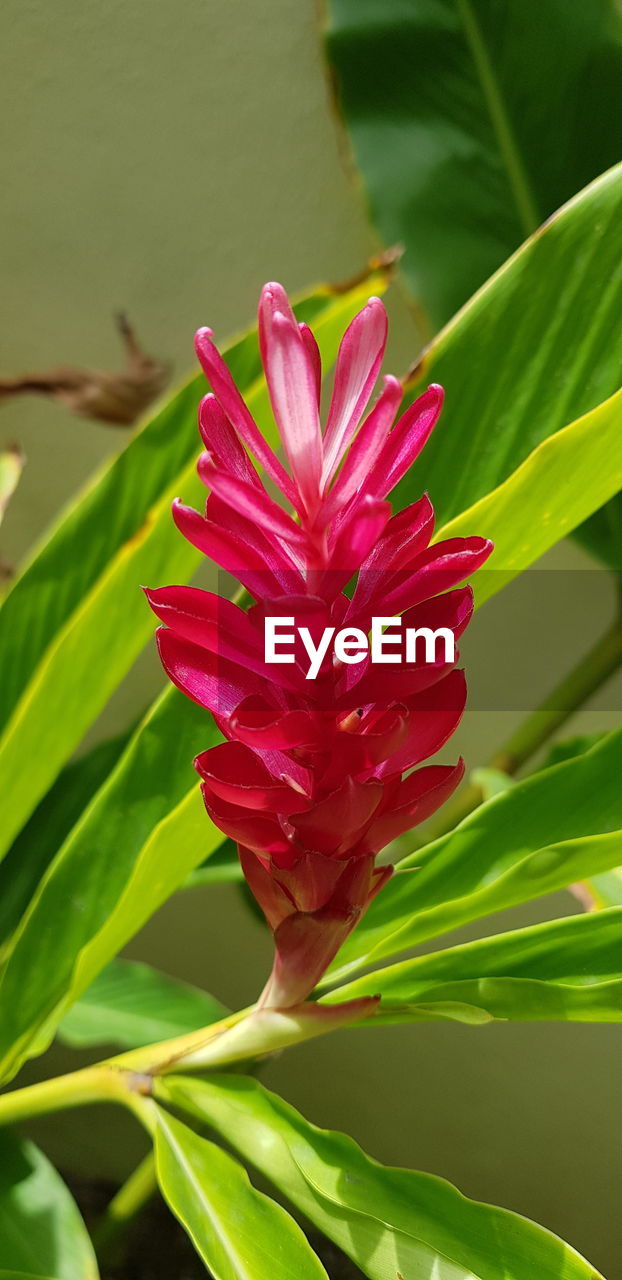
(391, 1222)
(239, 1233)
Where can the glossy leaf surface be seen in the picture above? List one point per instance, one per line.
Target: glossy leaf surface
(239, 1233)
(563, 970)
(389, 1221)
(551, 829)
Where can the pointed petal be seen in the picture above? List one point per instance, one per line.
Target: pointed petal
(406, 440)
(418, 798)
(365, 448)
(237, 411)
(221, 440)
(315, 359)
(335, 823)
(252, 500)
(434, 716)
(292, 386)
(212, 681)
(358, 365)
(236, 774)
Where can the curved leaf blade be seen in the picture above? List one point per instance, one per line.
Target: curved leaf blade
(239, 1233)
(557, 826)
(389, 1221)
(41, 1230)
(131, 1004)
(444, 101)
(562, 970)
(563, 481)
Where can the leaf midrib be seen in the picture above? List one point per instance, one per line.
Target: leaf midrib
(500, 120)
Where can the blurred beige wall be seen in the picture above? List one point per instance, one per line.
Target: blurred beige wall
(168, 158)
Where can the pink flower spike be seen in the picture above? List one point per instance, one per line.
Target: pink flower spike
(358, 364)
(320, 766)
(292, 387)
(237, 411)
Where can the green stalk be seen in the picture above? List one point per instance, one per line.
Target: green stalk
(124, 1207)
(100, 1083)
(589, 675)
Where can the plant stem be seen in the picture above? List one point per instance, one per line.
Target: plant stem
(589, 675)
(124, 1208)
(101, 1083)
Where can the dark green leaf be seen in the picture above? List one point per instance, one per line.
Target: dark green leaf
(41, 1232)
(472, 122)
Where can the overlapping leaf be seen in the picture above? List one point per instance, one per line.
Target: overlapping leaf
(391, 1222)
(130, 1004)
(239, 1233)
(445, 102)
(563, 970)
(551, 829)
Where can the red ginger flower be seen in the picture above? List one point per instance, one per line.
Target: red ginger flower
(316, 777)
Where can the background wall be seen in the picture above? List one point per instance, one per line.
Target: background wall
(168, 159)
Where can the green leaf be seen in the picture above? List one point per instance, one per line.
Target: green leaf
(566, 477)
(41, 1231)
(46, 829)
(77, 650)
(222, 868)
(563, 970)
(529, 354)
(239, 1233)
(142, 834)
(130, 1004)
(391, 1222)
(445, 102)
(551, 829)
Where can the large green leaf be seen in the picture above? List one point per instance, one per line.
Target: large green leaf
(145, 830)
(52, 820)
(239, 1233)
(130, 1004)
(568, 970)
(566, 478)
(535, 349)
(391, 1222)
(472, 121)
(551, 829)
(107, 623)
(41, 1232)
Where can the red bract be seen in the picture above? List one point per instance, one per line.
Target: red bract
(316, 776)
